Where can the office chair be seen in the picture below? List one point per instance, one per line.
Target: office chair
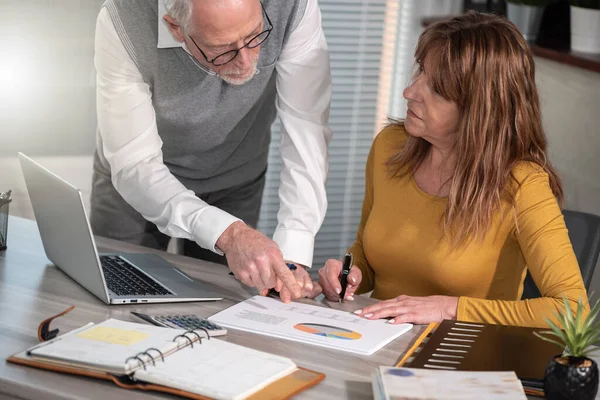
(584, 232)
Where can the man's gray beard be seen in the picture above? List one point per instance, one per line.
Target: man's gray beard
(240, 81)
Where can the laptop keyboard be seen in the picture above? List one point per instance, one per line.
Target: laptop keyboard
(126, 280)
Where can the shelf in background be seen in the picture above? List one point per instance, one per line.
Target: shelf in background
(590, 62)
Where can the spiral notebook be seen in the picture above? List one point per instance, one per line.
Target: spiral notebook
(188, 363)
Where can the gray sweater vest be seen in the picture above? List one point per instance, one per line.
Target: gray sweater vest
(215, 135)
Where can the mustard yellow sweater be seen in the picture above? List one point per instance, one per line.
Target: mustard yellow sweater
(399, 250)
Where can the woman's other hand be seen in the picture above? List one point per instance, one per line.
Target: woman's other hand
(415, 310)
(329, 279)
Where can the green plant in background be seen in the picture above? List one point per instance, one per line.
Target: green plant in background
(593, 4)
(535, 3)
(579, 334)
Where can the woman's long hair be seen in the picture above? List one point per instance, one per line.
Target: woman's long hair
(481, 62)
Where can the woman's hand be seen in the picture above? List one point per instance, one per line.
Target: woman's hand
(415, 310)
(329, 279)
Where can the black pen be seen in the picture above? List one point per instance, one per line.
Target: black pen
(348, 261)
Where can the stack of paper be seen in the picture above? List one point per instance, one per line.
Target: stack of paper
(310, 324)
(423, 384)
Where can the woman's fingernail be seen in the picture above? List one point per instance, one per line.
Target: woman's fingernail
(391, 321)
(338, 290)
(353, 279)
(368, 315)
(358, 312)
(350, 298)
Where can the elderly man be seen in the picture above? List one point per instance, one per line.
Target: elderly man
(187, 91)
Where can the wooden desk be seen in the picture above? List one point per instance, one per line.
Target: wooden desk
(32, 289)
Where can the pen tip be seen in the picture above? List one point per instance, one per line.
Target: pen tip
(340, 301)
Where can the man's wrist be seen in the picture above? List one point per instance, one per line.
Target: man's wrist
(227, 238)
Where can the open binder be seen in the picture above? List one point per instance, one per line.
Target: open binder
(184, 363)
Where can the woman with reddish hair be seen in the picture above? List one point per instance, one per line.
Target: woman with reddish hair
(460, 197)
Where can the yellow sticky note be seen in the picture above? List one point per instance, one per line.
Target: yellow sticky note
(123, 337)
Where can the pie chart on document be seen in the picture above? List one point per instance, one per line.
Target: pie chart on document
(329, 331)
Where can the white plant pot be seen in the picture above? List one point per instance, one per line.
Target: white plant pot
(585, 30)
(526, 18)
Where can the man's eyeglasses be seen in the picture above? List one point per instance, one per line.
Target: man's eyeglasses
(228, 56)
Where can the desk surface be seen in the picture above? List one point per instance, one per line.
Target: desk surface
(32, 289)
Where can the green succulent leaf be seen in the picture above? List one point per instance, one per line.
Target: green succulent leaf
(592, 316)
(574, 331)
(547, 339)
(578, 316)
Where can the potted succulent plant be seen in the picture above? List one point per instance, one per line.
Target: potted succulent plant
(585, 26)
(572, 375)
(527, 15)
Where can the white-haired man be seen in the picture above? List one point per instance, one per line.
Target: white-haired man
(187, 91)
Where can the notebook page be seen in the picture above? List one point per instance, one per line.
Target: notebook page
(107, 345)
(218, 369)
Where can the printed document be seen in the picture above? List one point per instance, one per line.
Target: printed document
(310, 324)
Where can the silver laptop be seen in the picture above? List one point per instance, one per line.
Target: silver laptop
(116, 278)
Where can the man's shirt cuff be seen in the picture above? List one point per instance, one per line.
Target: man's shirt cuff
(209, 227)
(297, 246)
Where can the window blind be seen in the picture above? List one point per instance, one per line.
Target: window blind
(356, 32)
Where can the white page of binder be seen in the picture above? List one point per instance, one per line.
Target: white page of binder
(109, 344)
(218, 369)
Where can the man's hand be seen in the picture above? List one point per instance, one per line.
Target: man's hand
(309, 288)
(416, 310)
(255, 259)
